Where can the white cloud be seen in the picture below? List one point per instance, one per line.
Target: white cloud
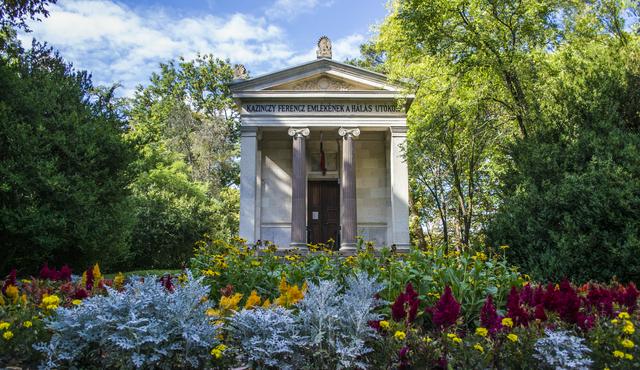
(116, 43)
(287, 9)
(119, 44)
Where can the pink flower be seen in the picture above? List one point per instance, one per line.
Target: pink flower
(446, 311)
(406, 305)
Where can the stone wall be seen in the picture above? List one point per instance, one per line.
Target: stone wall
(372, 187)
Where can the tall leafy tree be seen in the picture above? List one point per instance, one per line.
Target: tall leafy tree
(185, 126)
(63, 166)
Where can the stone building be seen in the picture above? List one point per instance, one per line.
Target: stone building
(321, 155)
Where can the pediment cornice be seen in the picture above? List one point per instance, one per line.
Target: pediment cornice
(319, 75)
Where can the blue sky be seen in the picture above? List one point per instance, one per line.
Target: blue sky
(125, 40)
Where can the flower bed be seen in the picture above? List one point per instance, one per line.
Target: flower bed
(240, 306)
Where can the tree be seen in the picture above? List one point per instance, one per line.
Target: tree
(63, 166)
(572, 194)
(185, 127)
(15, 13)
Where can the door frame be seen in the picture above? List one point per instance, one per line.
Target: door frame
(336, 180)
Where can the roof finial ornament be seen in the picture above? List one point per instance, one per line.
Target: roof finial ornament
(239, 72)
(324, 48)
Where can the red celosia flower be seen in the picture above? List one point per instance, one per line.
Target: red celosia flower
(80, 294)
(489, 318)
(166, 282)
(514, 310)
(527, 295)
(628, 297)
(65, 273)
(89, 279)
(375, 325)
(539, 313)
(568, 302)
(403, 357)
(585, 322)
(446, 311)
(406, 305)
(227, 291)
(600, 299)
(11, 280)
(45, 273)
(538, 296)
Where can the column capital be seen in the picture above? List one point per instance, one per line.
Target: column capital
(297, 132)
(398, 130)
(349, 132)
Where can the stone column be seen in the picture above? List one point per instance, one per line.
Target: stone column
(248, 184)
(299, 188)
(348, 184)
(399, 189)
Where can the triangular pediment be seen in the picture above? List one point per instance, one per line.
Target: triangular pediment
(322, 75)
(323, 82)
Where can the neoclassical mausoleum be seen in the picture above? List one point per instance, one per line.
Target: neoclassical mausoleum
(322, 155)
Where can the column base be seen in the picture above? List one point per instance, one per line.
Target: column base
(348, 247)
(402, 247)
(295, 245)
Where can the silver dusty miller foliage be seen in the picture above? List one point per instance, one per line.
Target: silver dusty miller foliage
(329, 330)
(142, 326)
(560, 350)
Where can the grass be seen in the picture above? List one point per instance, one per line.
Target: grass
(158, 272)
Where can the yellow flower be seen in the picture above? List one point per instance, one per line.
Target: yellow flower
(231, 302)
(478, 347)
(4, 325)
(618, 354)
(507, 322)
(217, 351)
(118, 281)
(624, 315)
(12, 292)
(7, 335)
(23, 299)
(454, 338)
(97, 275)
(267, 303)
(50, 302)
(211, 273)
(614, 321)
(212, 312)
(628, 356)
(627, 343)
(27, 324)
(253, 300)
(482, 331)
(76, 302)
(400, 335)
(255, 263)
(290, 294)
(427, 340)
(628, 327)
(503, 247)
(512, 337)
(384, 324)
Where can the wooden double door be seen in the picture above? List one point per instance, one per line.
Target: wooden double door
(323, 212)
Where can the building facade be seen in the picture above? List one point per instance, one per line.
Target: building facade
(322, 156)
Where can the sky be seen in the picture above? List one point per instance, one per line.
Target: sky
(124, 41)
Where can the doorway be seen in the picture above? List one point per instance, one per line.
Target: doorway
(323, 212)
